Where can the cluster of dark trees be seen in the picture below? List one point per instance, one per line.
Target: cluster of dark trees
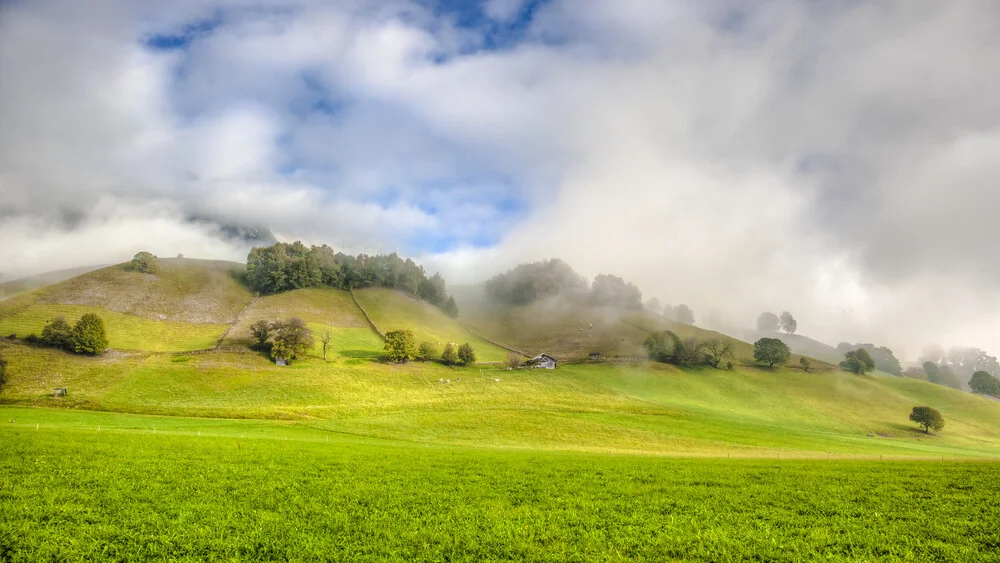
(282, 267)
(86, 336)
(954, 366)
(145, 262)
(883, 357)
(284, 340)
(400, 346)
(934, 373)
(666, 347)
(769, 322)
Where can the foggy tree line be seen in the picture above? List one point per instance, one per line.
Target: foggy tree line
(769, 322)
(282, 267)
(666, 347)
(527, 283)
(884, 359)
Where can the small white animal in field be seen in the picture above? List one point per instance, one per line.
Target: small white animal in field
(496, 381)
(447, 381)
(440, 380)
(458, 379)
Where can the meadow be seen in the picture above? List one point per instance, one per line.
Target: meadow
(201, 490)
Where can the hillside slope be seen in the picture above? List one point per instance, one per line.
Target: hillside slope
(20, 285)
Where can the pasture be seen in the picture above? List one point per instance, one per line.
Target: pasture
(263, 491)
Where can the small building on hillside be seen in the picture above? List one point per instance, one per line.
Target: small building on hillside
(595, 356)
(543, 361)
(59, 392)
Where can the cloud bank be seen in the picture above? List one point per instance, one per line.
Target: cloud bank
(839, 159)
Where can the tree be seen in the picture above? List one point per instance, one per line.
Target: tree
(466, 354)
(514, 360)
(858, 361)
(3, 371)
(613, 291)
(927, 417)
(531, 282)
(290, 339)
(884, 358)
(145, 262)
(767, 322)
(400, 345)
(427, 351)
(683, 314)
(804, 362)
(59, 334)
(89, 336)
(716, 351)
(662, 346)
(984, 383)
(261, 331)
(325, 340)
(450, 355)
(788, 323)
(771, 351)
(451, 308)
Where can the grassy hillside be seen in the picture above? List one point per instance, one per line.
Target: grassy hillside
(392, 310)
(802, 345)
(13, 287)
(649, 409)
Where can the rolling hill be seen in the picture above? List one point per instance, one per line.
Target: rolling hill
(181, 350)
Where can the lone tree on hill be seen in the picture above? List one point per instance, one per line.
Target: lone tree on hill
(290, 339)
(716, 351)
(771, 351)
(984, 383)
(89, 336)
(325, 340)
(450, 355)
(788, 323)
(145, 262)
(767, 322)
(927, 417)
(858, 361)
(400, 345)
(466, 354)
(427, 351)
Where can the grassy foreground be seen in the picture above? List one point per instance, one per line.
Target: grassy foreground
(257, 490)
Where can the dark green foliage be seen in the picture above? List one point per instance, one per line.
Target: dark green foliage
(466, 355)
(681, 313)
(927, 417)
(768, 322)
(688, 353)
(59, 334)
(400, 345)
(145, 262)
(261, 330)
(450, 355)
(290, 339)
(3, 371)
(716, 351)
(89, 336)
(771, 351)
(885, 359)
(613, 291)
(283, 267)
(858, 361)
(427, 351)
(985, 383)
(941, 375)
(530, 282)
(451, 308)
(662, 346)
(788, 323)
(804, 362)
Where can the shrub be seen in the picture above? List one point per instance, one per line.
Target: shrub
(466, 354)
(804, 362)
(290, 339)
(400, 345)
(59, 334)
(427, 351)
(450, 355)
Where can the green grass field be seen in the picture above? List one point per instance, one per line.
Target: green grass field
(125, 332)
(392, 310)
(101, 486)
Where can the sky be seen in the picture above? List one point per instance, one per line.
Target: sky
(837, 159)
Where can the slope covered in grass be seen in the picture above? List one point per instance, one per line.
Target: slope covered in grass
(13, 287)
(649, 409)
(125, 332)
(184, 290)
(392, 310)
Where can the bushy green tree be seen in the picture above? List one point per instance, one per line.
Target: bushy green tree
(466, 355)
(59, 334)
(927, 417)
(717, 350)
(400, 345)
(145, 262)
(427, 351)
(450, 355)
(858, 361)
(89, 336)
(290, 339)
(771, 351)
(261, 331)
(984, 383)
